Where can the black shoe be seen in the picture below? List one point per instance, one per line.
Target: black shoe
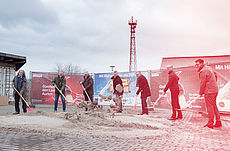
(16, 113)
(172, 118)
(143, 113)
(209, 126)
(218, 124)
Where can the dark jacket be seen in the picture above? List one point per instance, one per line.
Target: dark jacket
(60, 82)
(143, 85)
(208, 82)
(117, 81)
(22, 86)
(172, 82)
(88, 84)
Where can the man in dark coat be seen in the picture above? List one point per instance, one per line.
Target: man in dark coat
(88, 87)
(20, 83)
(60, 83)
(118, 91)
(143, 85)
(209, 88)
(174, 88)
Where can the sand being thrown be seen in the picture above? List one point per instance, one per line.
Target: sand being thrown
(98, 124)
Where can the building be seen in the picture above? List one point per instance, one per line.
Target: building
(9, 64)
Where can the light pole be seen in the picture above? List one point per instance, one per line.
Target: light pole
(112, 68)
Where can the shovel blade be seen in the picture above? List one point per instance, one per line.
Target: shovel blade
(31, 109)
(134, 108)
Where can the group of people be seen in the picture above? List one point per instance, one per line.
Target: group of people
(208, 88)
(59, 83)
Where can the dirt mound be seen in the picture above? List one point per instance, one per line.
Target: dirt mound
(97, 123)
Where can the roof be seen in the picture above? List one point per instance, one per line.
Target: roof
(10, 60)
(179, 62)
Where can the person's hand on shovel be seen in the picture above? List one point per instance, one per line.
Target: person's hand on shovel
(82, 85)
(29, 108)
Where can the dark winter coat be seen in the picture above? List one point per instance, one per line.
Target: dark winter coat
(172, 82)
(88, 84)
(208, 82)
(60, 82)
(117, 81)
(22, 86)
(143, 85)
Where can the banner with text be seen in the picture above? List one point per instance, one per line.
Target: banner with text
(103, 86)
(43, 91)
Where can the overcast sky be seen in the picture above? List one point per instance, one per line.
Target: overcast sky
(94, 34)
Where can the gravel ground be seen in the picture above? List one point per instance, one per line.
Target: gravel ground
(119, 131)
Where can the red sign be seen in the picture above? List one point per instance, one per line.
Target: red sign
(43, 91)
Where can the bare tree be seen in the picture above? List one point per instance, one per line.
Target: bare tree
(68, 68)
(58, 68)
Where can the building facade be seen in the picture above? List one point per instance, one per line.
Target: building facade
(9, 64)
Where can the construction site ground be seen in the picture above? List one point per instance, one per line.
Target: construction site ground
(77, 129)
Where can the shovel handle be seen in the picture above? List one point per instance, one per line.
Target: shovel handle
(86, 92)
(158, 99)
(59, 91)
(21, 96)
(187, 105)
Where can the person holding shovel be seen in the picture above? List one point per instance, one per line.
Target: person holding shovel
(209, 88)
(87, 88)
(20, 84)
(143, 85)
(118, 91)
(172, 84)
(60, 83)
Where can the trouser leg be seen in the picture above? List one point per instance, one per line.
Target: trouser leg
(17, 98)
(209, 100)
(178, 106)
(91, 97)
(216, 111)
(120, 102)
(63, 102)
(24, 106)
(56, 101)
(144, 105)
(173, 104)
(86, 99)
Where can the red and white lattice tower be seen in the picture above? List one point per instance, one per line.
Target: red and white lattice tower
(133, 59)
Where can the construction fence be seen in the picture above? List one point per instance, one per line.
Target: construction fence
(42, 90)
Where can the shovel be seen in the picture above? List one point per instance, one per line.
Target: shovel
(29, 108)
(189, 103)
(155, 103)
(135, 104)
(86, 93)
(59, 91)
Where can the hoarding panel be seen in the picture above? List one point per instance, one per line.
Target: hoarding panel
(43, 92)
(190, 85)
(129, 82)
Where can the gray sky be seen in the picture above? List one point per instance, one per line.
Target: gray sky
(94, 34)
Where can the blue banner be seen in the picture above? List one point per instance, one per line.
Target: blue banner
(103, 86)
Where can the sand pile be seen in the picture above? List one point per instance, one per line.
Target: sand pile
(95, 124)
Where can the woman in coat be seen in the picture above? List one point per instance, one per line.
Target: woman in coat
(20, 83)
